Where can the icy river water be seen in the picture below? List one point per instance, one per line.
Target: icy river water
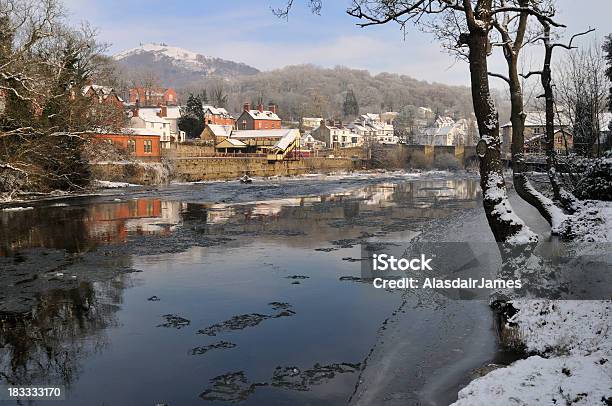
(223, 292)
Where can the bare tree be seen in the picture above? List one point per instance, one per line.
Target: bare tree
(44, 65)
(582, 92)
(567, 200)
(512, 31)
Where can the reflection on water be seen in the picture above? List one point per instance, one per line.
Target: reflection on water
(271, 324)
(49, 343)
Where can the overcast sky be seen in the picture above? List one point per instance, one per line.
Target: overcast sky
(247, 31)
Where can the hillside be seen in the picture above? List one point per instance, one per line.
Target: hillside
(299, 91)
(177, 67)
(307, 90)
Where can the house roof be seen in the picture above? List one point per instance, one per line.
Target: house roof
(286, 140)
(271, 133)
(231, 143)
(103, 91)
(220, 130)
(263, 115)
(217, 111)
(150, 115)
(371, 116)
(142, 131)
(538, 119)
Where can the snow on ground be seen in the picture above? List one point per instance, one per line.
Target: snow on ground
(574, 335)
(543, 381)
(591, 223)
(557, 327)
(111, 185)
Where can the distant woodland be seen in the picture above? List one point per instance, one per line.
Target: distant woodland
(311, 91)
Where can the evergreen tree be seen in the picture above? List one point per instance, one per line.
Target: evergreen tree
(350, 107)
(192, 117)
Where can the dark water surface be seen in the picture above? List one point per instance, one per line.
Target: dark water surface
(222, 292)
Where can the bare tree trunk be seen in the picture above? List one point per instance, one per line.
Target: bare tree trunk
(504, 223)
(564, 197)
(523, 187)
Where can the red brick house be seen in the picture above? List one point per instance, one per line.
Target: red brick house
(218, 116)
(259, 119)
(104, 94)
(106, 107)
(140, 143)
(153, 96)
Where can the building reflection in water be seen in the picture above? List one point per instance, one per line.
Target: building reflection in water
(82, 228)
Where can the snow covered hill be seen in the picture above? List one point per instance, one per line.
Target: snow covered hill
(177, 66)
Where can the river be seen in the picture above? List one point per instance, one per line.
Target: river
(223, 292)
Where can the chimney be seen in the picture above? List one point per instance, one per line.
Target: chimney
(260, 108)
(272, 107)
(247, 106)
(163, 112)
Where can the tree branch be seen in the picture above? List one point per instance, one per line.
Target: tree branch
(569, 45)
(499, 75)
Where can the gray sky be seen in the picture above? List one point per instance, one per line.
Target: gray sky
(246, 31)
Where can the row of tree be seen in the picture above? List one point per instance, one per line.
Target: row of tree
(44, 66)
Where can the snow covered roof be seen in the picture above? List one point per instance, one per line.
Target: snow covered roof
(103, 91)
(263, 115)
(217, 111)
(272, 133)
(371, 116)
(150, 115)
(231, 142)
(142, 131)
(538, 119)
(220, 130)
(287, 139)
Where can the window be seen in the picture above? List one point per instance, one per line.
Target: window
(131, 146)
(148, 146)
(244, 124)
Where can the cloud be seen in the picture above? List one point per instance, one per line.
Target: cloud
(246, 31)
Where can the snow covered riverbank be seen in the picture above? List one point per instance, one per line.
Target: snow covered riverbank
(570, 341)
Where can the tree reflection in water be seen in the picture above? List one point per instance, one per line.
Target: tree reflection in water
(48, 344)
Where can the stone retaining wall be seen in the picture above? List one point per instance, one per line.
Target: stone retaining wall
(210, 168)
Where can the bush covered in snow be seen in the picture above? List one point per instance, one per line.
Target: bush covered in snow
(594, 177)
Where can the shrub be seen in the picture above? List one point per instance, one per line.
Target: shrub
(595, 178)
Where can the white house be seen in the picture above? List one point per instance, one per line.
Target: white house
(337, 137)
(371, 127)
(309, 142)
(163, 119)
(310, 123)
(445, 132)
